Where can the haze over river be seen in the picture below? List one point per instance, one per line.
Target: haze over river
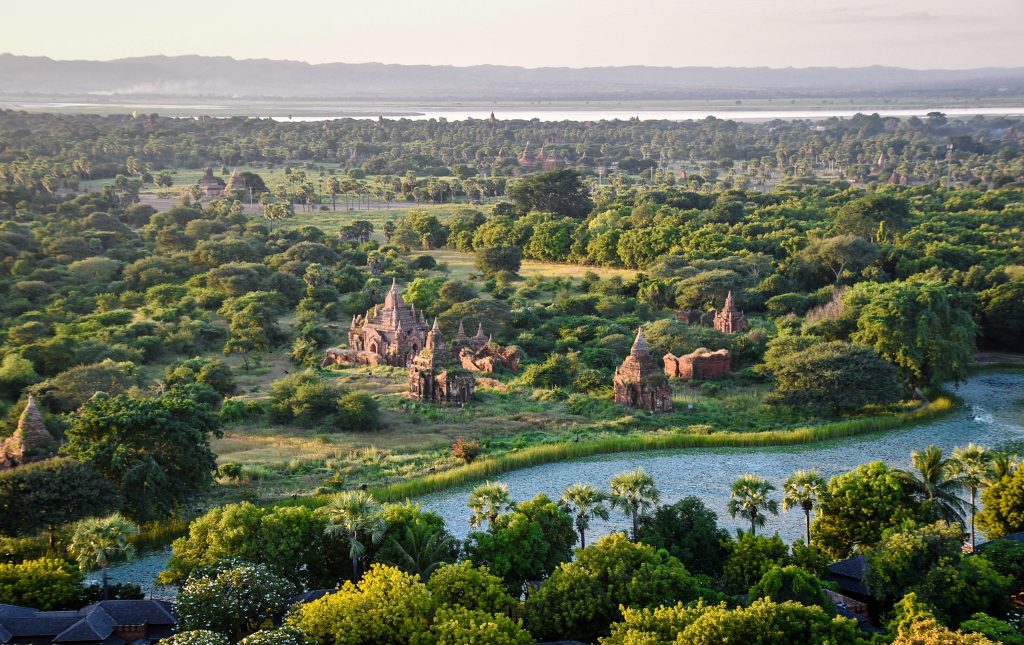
(286, 113)
(992, 416)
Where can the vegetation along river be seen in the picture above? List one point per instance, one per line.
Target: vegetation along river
(991, 416)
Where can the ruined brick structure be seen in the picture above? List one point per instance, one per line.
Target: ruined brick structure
(481, 354)
(730, 320)
(699, 365)
(638, 382)
(389, 335)
(30, 442)
(433, 378)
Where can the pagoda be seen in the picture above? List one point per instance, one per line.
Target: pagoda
(30, 442)
(433, 378)
(639, 383)
(730, 320)
(395, 332)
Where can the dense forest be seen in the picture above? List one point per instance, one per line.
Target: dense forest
(145, 335)
(48, 152)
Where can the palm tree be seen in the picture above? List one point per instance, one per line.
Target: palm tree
(634, 493)
(935, 484)
(971, 466)
(803, 488)
(1004, 463)
(423, 549)
(487, 501)
(98, 541)
(359, 517)
(584, 502)
(750, 498)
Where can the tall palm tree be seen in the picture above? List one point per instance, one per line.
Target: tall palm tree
(749, 498)
(634, 493)
(972, 467)
(934, 482)
(487, 501)
(803, 488)
(98, 541)
(359, 517)
(584, 502)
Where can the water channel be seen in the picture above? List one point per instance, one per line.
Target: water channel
(992, 416)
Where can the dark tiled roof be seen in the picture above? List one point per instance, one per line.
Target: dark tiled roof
(136, 612)
(851, 567)
(1015, 537)
(93, 624)
(849, 574)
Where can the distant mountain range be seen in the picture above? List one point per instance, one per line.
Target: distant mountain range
(206, 76)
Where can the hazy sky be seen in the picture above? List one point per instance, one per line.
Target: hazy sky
(531, 33)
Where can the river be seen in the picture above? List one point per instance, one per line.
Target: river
(991, 416)
(300, 113)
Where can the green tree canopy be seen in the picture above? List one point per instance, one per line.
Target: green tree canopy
(924, 328)
(582, 598)
(834, 378)
(689, 531)
(156, 451)
(859, 505)
(51, 493)
(525, 544)
(557, 191)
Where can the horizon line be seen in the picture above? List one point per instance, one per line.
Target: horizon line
(525, 67)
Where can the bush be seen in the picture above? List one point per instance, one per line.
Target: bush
(583, 598)
(386, 606)
(197, 637)
(235, 601)
(307, 399)
(461, 626)
(45, 584)
(474, 588)
(466, 450)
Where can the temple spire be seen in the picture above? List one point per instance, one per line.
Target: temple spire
(729, 303)
(640, 344)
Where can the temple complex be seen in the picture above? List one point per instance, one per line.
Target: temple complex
(391, 335)
(30, 442)
(639, 383)
(730, 320)
(699, 365)
(432, 378)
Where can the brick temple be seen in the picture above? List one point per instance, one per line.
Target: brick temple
(432, 377)
(699, 365)
(729, 319)
(638, 382)
(392, 334)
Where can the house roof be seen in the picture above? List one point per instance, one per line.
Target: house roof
(1014, 537)
(93, 624)
(849, 574)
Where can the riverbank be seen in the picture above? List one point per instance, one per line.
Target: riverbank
(489, 467)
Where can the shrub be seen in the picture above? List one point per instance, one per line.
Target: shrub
(45, 584)
(235, 601)
(474, 588)
(461, 626)
(466, 450)
(197, 637)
